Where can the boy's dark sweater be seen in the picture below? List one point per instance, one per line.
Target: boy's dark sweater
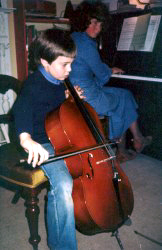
(38, 97)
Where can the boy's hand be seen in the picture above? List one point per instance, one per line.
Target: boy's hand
(36, 153)
(78, 90)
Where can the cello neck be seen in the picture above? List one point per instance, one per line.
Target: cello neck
(91, 124)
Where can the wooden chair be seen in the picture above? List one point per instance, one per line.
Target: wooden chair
(29, 181)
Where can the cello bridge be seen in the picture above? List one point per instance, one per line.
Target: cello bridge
(106, 159)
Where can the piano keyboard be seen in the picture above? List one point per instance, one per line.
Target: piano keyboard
(140, 78)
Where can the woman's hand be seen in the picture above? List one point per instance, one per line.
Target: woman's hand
(36, 153)
(78, 90)
(116, 70)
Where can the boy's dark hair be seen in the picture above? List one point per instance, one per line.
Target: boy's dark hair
(49, 45)
(86, 11)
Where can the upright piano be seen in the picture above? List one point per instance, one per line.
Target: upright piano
(142, 76)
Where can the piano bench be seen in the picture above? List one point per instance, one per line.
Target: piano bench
(105, 124)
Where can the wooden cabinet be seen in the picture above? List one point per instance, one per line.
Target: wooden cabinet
(21, 21)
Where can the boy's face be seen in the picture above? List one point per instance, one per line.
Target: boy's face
(60, 68)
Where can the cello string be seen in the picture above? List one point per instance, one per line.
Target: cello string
(92, 126)
(99, 138)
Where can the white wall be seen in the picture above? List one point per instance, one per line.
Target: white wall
(61, 4)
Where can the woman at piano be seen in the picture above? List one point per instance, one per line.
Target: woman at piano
(91, 74)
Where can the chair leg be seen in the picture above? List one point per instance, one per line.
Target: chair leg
(32, 214)
(16, 197)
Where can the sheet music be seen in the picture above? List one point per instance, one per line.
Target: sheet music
(127, 32)
(152, 33)
(139, 33)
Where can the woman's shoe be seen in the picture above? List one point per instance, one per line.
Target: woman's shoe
(127, 155)
(139, 145)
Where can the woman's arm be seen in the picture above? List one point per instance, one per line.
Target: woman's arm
(100, 70)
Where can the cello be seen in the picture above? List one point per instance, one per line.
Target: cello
(102, 193)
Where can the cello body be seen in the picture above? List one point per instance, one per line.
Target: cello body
(100, 202)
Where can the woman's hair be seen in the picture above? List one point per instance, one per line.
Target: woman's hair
(49, 45)
(85, 12)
